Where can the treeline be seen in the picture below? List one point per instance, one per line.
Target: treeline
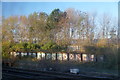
(57, 31)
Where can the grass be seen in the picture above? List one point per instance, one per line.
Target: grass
(64, 66)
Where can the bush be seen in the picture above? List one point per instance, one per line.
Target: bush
(52, 46)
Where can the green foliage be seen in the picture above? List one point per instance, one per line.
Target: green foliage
(17, 47)
(99, 50)
(6, 47)
(90, 49)
(53, 19)
(55, 15)
(49, 45)
(25, 45)
(110, 55)
(32, 46)
(53, 46)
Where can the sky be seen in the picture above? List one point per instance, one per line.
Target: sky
(26, 8)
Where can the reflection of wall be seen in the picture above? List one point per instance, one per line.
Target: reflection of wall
(23, 54)
(53, 56)
(85, 57)
(60, 56)
(78, 57)
(88, 57)
(92, 58)
(13, 54)
(39, 56)
(48, 56)
(65, 57)
(43, 55)
(17, 53)
(33, 55)
(71, 57)
(100, 58)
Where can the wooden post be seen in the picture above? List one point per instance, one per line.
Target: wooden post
(68, 56)
(56, 57)
(27, 54)
(20, 55)
(74, 56)
(96, 58)
(50, 56)
(45, 55)
(62, 56)
(36, 55)
(81, 57)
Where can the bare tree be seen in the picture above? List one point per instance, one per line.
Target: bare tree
(8, 28)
